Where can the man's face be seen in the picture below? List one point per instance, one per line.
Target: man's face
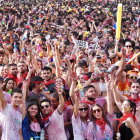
(1, 58)
(91, 93)
(40, 86)
(6, 71)
(79, 70)
(22, 67)
(135, 87)
(45, 108)
(13, 70)
(104, 57)
(16, 99)
(132, 77)
(128, 46)
(47, 75)
(54, 103)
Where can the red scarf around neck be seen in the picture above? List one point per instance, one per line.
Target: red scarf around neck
(87, 102)
(49, 82)
(124, 117)
(134, 100)
(46, 118)
(34, 120)
(20, 78)
(13, 77)
(67, 104)
(101, 123)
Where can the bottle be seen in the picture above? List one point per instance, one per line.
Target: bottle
(80, 88)
(111, 68)
(42, 134)
(96, 69)
(25, 35)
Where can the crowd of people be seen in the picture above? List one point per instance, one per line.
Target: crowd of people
(63, 73)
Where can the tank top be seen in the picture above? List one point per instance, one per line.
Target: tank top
(126, 133)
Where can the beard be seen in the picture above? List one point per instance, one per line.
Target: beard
(91, 98)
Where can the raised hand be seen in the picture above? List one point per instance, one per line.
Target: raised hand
(76, 91)
(74, 76)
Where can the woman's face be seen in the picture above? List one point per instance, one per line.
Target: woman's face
(126, 107)
(39, 65)
(82, 80)
(33, 110)
(97, 112)
(68, 49)
(10, 85)
(58, 82)
(83, 110)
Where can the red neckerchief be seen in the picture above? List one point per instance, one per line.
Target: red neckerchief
(88, 103)
(46, 118)
(66, 104)
(134, 100)
(34, 120)
(101, 123)
(49, 82)
(20, 78)
(13, 77)
(124, 117)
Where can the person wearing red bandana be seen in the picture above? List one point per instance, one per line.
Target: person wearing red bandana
(22, 69)
(127, 129)
(48, 81)
(53, 121)
(13, 73)
(100, 126)
(36, 86)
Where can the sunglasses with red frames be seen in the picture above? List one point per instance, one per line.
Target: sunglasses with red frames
(42, 107)
(83, 109)
(97, 110)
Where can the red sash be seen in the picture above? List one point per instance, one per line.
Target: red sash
(13, 77)
(49, 82)
(46, 118)
(124, 117)
(101, 123)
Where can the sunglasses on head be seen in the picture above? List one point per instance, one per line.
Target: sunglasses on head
(97, 110)
(128, 46)
(133, 77)
(83, 109)
(42, 107)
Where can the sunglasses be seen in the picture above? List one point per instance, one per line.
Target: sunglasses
(42, 107)
(133, 77)
(98, 110)
(83, 109)
(128, 46)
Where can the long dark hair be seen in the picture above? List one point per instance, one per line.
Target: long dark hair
(6, 81)
(93, 119)
(133, 106)
(38, 113)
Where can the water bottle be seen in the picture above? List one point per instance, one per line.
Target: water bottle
(42, 134)
(111, 68)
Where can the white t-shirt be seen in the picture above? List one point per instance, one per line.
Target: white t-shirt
(11, 123)
(55, 128)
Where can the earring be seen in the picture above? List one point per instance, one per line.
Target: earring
(127, 109)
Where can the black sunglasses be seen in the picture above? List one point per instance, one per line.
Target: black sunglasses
(128, 46)
(83, 109)
(42, 107)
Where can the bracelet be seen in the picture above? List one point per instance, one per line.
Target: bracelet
(91, 79)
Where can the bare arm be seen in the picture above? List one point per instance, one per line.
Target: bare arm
(116, 49)
(61, 102)
(116, 97)
(76, 108)
(3, 100)
(133, 128)
(121, 67)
